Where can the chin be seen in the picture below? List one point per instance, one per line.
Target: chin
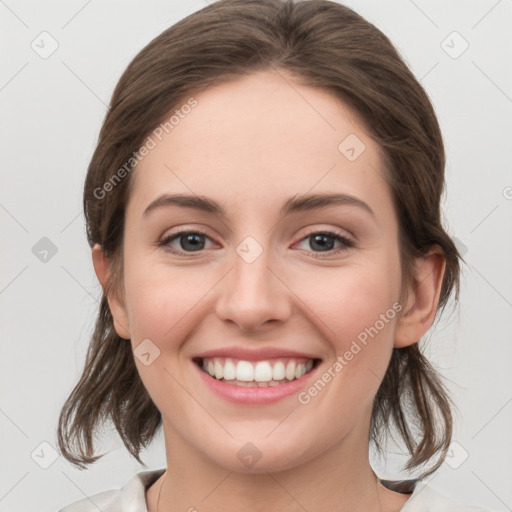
(262, 455)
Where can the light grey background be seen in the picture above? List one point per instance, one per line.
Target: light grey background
(52, 109)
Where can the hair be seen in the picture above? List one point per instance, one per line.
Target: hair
(323, 44)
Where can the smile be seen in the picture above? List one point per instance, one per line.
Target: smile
(263, 373)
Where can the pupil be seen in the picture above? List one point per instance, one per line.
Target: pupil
(320, 239)
(196, 244)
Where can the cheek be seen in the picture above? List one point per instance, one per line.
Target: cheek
(365, 298)
(358, 308)
(162, 305)
(159, 299)
(348, 300)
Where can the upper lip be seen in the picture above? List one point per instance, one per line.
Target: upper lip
(258, 354)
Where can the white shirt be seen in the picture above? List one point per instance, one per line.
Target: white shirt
(132, 497)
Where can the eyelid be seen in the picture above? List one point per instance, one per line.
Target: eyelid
(198, 228)
(330, 230)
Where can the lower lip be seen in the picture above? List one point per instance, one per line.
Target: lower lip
(254, 395)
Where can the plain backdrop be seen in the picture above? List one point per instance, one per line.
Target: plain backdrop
(52, 109)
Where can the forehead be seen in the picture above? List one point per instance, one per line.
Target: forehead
(263, 136)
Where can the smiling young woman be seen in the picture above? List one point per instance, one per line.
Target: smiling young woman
(263, 208)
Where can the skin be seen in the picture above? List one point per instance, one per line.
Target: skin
(250, 144)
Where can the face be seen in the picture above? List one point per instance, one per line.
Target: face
(271, 321)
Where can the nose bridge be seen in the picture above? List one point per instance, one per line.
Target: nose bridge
(251, 270)
(252, 294)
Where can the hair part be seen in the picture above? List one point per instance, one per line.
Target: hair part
(322, 44)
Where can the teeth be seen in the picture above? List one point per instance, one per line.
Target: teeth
(262, 371)
(229, 370)
(300, 371)
(278, 370)
(219, 370)
(290, 370)
(256, 374)
(244, 371)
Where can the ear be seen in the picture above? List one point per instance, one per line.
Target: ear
(422, 299)
(117, 308)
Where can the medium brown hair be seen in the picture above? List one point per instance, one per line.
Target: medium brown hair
(323, 44)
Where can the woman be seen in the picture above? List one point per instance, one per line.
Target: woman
(263, 208)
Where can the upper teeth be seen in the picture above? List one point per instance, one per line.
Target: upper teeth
(256, 371)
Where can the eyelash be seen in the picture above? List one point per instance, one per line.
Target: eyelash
(347, 242)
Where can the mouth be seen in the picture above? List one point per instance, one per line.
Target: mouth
(257, 374)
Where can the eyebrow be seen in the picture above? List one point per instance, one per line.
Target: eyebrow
(294, 204)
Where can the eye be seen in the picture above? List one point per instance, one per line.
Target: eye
(324, 241)
(188, 241)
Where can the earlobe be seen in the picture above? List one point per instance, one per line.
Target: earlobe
(102, 268)
(423, 299)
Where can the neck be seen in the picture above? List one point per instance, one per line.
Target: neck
(340, 479)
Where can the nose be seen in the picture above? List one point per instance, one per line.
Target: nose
(253, 295)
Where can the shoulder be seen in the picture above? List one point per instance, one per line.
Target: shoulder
(131, 497)
(425, 498)
(107, 501)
